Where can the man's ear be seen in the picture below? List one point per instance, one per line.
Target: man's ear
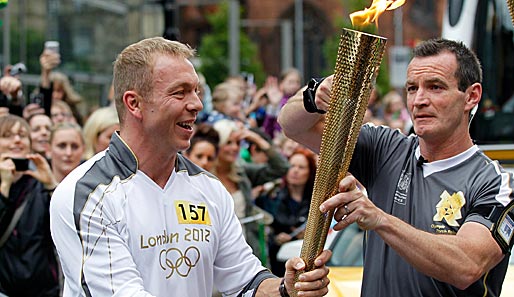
(473, 96)
(132, 101)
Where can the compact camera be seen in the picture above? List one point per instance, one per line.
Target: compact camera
(17, 69)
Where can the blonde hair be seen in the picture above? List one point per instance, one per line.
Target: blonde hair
(70, 95)
(389, 99)
(223, 92)
(97, 122)
(133, 68)
(63, 106)
(224, 128)
(66, 126)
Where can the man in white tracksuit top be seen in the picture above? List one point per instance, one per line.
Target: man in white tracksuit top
(139, 219)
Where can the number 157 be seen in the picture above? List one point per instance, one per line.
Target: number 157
(189, 213)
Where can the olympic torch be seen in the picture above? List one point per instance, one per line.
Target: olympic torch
(510, 3)
(358, 59)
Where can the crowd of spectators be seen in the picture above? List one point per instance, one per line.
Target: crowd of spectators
(43, 137)
(270, 176)
(237, 138)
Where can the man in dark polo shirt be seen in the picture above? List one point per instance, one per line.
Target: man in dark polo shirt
(438, 216)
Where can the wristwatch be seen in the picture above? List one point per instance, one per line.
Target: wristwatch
(310, 93)
(282, 289)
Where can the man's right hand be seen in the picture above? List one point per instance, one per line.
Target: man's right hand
(322, 96)
(352, 205)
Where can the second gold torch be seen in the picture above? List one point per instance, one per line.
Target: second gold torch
(358, 59)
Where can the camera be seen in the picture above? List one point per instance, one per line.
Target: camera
(17, 69)
(52, 46)
(248, 77)
(21, 164)
(38, 99)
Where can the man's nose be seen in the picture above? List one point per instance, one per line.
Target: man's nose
(195, 104)
(420, 97)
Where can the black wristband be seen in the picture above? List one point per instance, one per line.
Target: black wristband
(282, 289)
(310, 94)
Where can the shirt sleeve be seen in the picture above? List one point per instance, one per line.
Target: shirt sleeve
(95, 258)
(493, 191)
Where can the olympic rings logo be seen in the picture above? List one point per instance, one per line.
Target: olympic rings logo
(176, 261)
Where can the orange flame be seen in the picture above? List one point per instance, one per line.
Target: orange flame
(371, 14)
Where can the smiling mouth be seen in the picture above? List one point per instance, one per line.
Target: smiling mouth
(186, 125)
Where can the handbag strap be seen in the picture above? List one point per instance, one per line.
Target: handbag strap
(14, 221)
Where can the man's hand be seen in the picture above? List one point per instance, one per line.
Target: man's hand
(322, 96)
(312, 283)
(352, 205)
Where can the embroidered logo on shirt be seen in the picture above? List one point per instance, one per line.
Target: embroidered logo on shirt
(189, 213)
(402, 188)
(449, 208)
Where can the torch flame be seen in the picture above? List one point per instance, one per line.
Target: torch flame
(371, 14)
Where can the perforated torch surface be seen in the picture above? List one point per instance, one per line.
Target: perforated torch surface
(510, 3)
(358, 58)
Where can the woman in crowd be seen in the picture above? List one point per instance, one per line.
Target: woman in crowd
(40, 128)
(66, 149)
(396, 114)
(29, 266)
(98, 130)
(290, 205)
(60, 112)
(55, 86)
(240, 177)
(204, 147)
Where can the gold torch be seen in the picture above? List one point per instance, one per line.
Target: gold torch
(510, 3)
(358, 59)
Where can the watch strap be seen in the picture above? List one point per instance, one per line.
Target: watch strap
(282, 289)
(309, 96)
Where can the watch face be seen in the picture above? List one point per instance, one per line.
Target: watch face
(312, 83)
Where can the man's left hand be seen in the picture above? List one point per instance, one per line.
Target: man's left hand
(312, 283)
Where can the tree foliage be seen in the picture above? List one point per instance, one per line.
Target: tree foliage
(35, 40)
(213, 50)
